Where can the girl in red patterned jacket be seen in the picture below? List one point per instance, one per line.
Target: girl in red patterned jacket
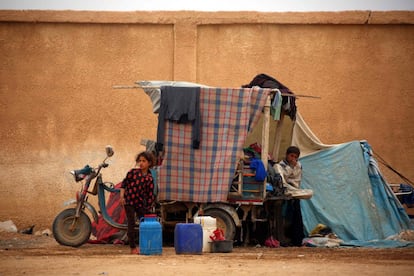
(137, 194)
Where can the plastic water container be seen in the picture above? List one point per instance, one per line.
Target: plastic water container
(206, 221)
(150, 235)
(188, 238)
(209, 224)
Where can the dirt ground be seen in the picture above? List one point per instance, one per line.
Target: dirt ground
(22, 254)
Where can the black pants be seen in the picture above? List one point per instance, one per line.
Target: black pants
(132, 214)
(297, 225)
(293, 217)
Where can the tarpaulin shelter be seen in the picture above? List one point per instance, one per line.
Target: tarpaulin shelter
(350, 194)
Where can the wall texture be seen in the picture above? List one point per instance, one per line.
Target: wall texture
(59, 108)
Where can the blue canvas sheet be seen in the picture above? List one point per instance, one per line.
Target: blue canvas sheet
(351, 197)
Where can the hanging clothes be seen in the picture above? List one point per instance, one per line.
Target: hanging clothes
(276, 107)
(266, 81)
(180, 105)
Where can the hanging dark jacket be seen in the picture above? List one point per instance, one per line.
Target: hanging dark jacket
(180, 105)
(266, 81)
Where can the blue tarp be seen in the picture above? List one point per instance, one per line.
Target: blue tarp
(351, 197)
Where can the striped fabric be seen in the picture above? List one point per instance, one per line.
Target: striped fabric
(205, 174)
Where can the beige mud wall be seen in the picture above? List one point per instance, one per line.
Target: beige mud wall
(59, 110)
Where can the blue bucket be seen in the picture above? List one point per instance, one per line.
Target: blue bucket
(188, 238)
(150, 236)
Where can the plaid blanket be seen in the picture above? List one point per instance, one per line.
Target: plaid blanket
(205, 174)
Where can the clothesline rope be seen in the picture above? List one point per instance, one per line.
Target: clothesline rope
(158, 87)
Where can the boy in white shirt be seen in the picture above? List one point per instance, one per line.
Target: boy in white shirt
(291, 171)
(290, 167)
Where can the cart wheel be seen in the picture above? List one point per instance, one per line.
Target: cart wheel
(224, 222)
(71, 231)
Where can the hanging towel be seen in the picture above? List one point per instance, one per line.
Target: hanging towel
(276, 106)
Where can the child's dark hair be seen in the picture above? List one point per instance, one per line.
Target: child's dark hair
(147, 155)
(293, 149)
